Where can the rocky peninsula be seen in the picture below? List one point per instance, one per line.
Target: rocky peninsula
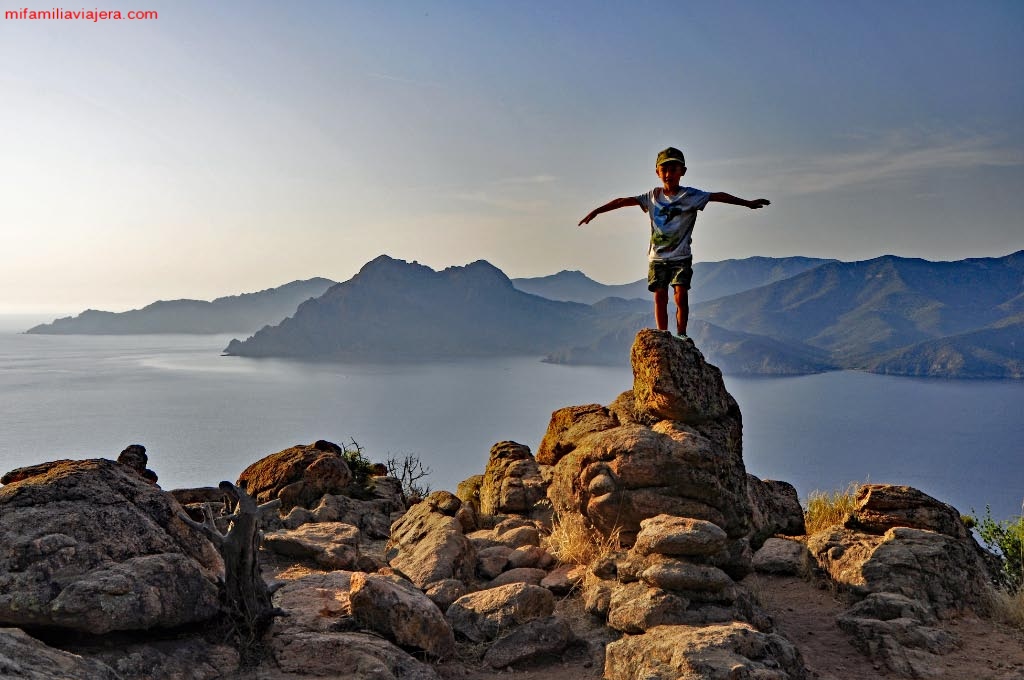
(632, 544)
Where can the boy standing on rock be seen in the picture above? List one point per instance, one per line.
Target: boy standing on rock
(673, 212)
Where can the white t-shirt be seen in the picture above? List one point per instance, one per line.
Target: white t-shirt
(672, 220)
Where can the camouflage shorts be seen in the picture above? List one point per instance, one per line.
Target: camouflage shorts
(665, 273)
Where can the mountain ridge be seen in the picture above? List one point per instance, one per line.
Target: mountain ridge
(228, 314)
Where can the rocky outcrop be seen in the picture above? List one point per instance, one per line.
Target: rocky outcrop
(911, 561)
(427, 544)
(512, 484)
(678, 449)
(90, 545)
(22, 657)
(944, 572)
(879, 551)
(661, 467)
(134, 458)
(299, 475)
(728, 651)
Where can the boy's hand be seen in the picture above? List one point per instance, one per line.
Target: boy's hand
(586, 220)
(758, 203)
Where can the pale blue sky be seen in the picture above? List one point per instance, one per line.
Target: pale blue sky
(229, 146)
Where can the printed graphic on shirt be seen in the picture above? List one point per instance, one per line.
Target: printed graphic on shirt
(672, 221)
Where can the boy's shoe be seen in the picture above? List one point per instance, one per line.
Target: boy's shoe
(685, 338)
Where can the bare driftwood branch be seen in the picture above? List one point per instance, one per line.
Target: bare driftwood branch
(246, 592)
(246, 598)
(211, 533)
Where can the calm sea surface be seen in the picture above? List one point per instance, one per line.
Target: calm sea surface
(204, 417)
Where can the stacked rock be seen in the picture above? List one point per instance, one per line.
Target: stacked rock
(670, 577)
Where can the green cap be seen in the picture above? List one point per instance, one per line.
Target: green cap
(671, 155)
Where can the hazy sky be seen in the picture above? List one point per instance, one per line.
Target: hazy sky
(233, 146)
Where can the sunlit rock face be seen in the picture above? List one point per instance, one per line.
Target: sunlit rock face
(672, 446)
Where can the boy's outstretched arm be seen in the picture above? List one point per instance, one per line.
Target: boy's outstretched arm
(610, 205)
(722, 197)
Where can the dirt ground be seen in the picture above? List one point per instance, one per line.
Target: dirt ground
(805, 614)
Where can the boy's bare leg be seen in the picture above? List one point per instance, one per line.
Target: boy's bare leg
(661, 308)
(682, 296)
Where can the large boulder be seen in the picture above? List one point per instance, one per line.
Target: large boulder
(299, 475)
(672, 381)
(427, 544)
(394, 608)
(22, 657)
(90, 545)
(512, 483)
(901, 540)
(726, 651)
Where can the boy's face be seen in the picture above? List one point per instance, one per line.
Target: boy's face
(670, 173)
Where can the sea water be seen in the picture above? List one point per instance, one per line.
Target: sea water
(204, 417)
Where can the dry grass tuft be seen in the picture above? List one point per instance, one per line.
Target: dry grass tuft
(1007, 608)
(573, 541)
(828, 508)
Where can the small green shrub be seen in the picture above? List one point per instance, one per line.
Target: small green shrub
(361, 467)
(1006, 540)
